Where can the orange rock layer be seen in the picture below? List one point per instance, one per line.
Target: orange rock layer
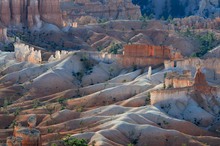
(145, 55)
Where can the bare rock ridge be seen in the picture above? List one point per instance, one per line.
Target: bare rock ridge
(30, 12)
(111, 9)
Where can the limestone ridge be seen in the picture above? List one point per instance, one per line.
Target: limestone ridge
(30, 12)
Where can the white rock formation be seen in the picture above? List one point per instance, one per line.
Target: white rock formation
(26, 53)
(58, 55)
(149, 72)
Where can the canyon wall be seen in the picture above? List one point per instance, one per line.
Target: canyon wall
(163, 96)
(108, 10)
(30, 12)
(145, 55)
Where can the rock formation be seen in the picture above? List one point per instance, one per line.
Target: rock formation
(3, 33)
(180, 8)
(210, 66)
(106, 10)
(29, 136)
(30, 12)
(50, 11)
(176, 80)
(195, 22)
(179, 101)
(14, 141)
(147, 55)
(58, 56)
(25, 53)
(149, 73)
(200, 82)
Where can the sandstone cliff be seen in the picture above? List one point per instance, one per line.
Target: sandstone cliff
(30, 12)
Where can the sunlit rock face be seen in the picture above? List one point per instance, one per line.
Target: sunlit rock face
(58, 56)
(26, 53)
(30, 12)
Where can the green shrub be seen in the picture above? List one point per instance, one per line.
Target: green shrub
(72, 141)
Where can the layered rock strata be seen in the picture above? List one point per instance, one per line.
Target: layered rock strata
(147, 55)
(111, 9)
(30, 12)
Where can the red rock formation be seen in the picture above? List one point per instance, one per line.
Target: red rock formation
(50, 11)
(200, 82)
(13, 141)
(5, 13)
(29, 12)
(30, 136)
(147, 51)
(145, 55)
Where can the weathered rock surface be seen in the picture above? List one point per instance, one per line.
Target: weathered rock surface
(30, 12)
(106, 10)
(210, 66)
(147, 55)
(3, 33)
(88, 95)
(25, 53)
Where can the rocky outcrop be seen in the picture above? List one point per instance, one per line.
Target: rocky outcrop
(200, 82)
(3, 33)
(29, 136)
(30, 12)
(195, 22)
(147, 55)
(178, 102)
(14, 141)
(176, 80)
(58, 56)
(108, 10)
(180, 8)
(25, 53)
(210, 66)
